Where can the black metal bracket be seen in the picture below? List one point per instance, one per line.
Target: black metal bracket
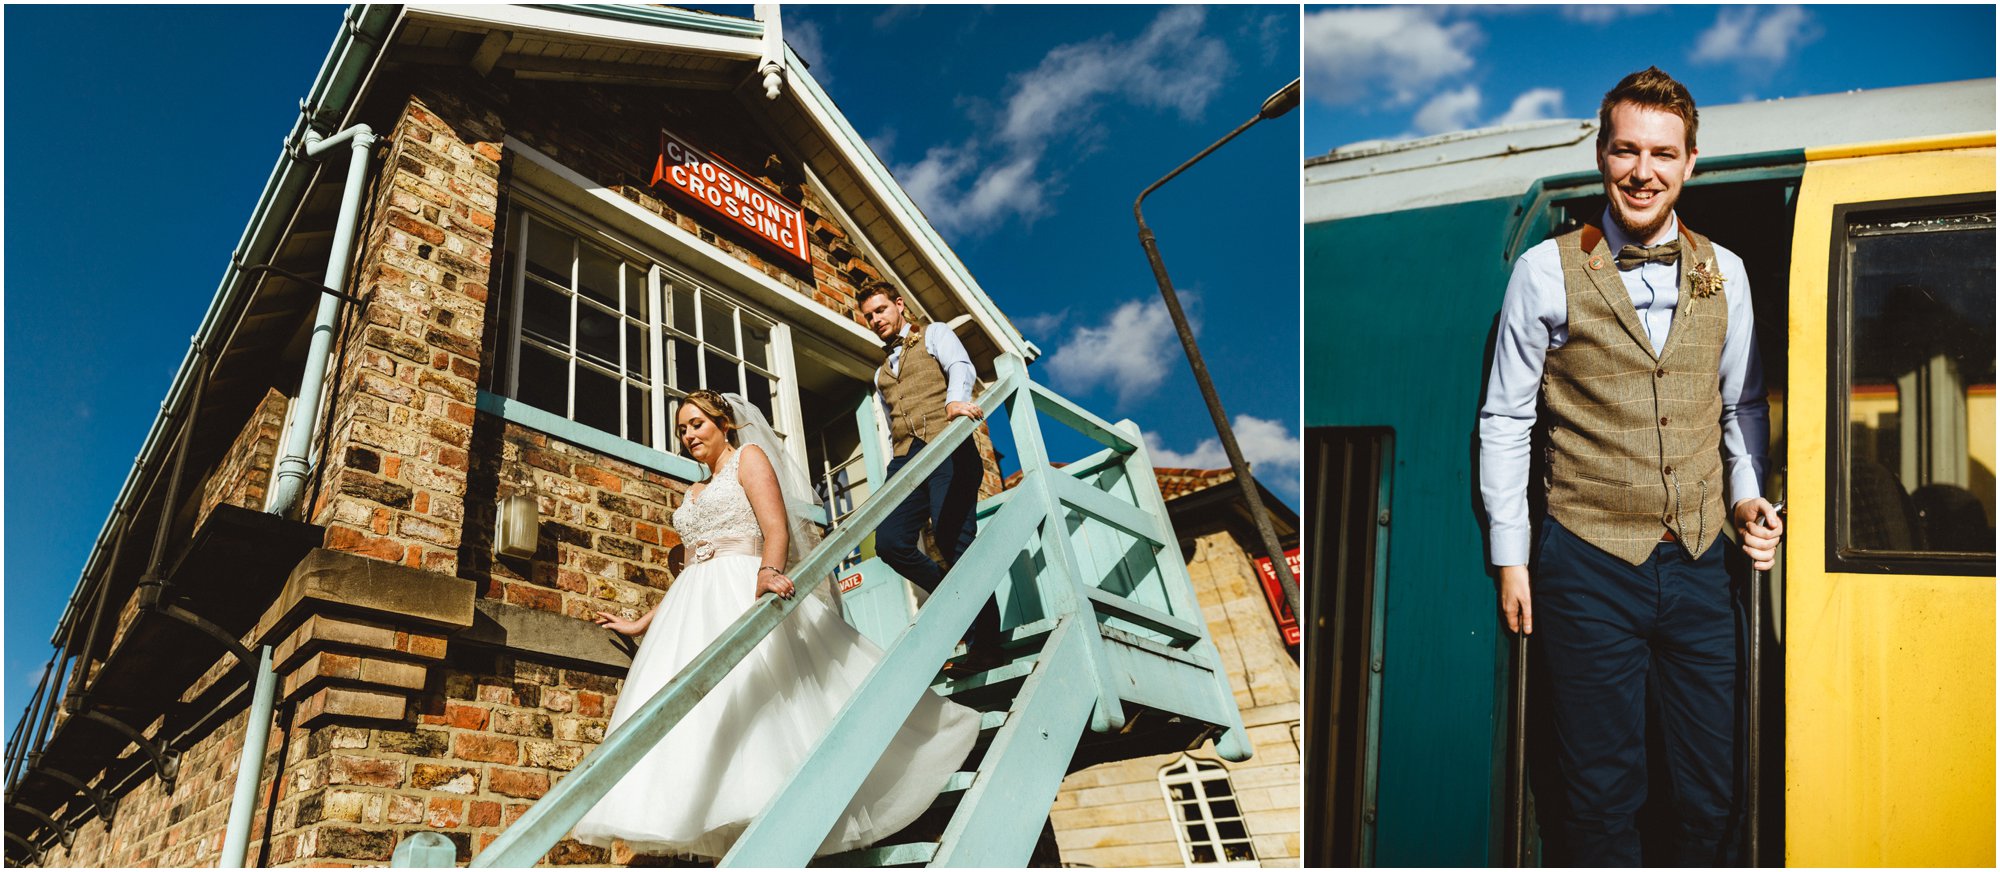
(166, 759)
(249, 271)
(208, 627)
(68, 835)
(34, 853)
(107, 808)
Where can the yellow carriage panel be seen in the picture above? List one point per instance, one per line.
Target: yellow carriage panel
(1889, 733)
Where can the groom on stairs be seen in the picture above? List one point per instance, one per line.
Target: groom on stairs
(924, 382)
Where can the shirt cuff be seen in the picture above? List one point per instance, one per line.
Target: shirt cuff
(1510, 548)
(1743, 484)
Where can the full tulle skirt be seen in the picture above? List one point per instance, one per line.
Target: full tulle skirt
(699, 788)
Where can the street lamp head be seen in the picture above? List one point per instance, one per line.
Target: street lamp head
(1282, 102)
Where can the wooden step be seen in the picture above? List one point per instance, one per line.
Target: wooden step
(994, 686)
(912, 854)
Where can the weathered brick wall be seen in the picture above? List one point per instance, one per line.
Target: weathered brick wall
(605, 534)
(491, 735)
(1115, 814)
(244, 473)
(393, 485)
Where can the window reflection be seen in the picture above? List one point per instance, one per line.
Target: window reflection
(1919, 454)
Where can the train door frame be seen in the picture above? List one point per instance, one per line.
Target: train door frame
(1348, 821)
(1546, 209)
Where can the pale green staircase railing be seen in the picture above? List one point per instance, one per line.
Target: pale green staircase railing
(1102, 624)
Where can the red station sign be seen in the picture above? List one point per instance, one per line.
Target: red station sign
(1288, 623)
(710, 181)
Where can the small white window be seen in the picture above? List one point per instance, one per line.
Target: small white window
(1210, 824)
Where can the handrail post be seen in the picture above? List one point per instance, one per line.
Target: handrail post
(1058, 558)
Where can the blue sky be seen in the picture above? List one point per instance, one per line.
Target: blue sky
(1395, 72)
(1024, 133)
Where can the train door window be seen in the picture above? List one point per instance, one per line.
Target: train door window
(1914, 413)
(1209, 822)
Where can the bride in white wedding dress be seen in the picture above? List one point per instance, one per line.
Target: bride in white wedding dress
(697, 790)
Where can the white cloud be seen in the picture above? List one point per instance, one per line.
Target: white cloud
(1130, 354)
(1390, 55)
(1044, 324)
(1448, 111)
(1607, 13)
(1458, 109)
(1272, 452)
(804, 37)
(1749, 34)
(882, 142)
(1001, 173)
(1534, 104)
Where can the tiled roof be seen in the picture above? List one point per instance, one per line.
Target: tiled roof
(1174, 482)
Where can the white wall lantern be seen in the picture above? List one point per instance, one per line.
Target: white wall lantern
(515, 527)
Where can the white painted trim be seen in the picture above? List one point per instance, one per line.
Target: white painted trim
(524, 20)
(896, 204)
(554, 181)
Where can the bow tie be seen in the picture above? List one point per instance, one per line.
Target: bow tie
(1633, 257)
(908, 340)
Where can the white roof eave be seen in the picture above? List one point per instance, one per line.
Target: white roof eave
(557, 24)
(896, 204)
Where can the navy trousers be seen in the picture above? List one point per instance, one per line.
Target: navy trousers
(946, 500)
(1609, 632)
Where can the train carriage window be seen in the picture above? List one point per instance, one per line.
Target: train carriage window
(1915, 413)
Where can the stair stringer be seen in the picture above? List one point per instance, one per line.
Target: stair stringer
(792, 826)
(1001, 816)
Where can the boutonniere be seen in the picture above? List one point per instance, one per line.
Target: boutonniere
(1707, 280)
(911, 339)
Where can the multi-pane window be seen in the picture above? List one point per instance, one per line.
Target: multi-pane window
(611, 340)
(1209, 823)
(711, 342)
(585, 333)
(1917, 404)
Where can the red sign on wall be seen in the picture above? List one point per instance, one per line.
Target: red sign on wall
(710, 181)
(851, 582)
(1288, 623)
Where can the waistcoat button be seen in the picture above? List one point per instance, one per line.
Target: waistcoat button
(1660, 373)
(1663, 422)
(1668, 471)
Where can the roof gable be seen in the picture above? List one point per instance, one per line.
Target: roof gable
(675, 48)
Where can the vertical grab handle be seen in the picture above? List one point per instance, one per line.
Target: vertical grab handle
(1517, 756)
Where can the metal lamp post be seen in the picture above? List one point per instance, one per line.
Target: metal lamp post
(1285, 100)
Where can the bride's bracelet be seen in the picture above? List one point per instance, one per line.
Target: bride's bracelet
(760, 570)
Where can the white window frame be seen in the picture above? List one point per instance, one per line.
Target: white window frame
(663, 274)
(1196, 773)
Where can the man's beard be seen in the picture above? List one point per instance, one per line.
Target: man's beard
(1643, 235)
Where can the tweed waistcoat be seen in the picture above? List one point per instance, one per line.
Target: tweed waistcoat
(1634, 437)
(915, 394)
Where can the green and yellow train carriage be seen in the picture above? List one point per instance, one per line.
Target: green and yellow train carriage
(1866, 221)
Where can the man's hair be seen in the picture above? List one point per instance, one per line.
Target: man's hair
(1651, 89)
(876, 286)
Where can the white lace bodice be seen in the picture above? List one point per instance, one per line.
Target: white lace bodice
(720, 513)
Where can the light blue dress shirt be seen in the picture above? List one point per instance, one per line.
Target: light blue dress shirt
(1534, 320)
